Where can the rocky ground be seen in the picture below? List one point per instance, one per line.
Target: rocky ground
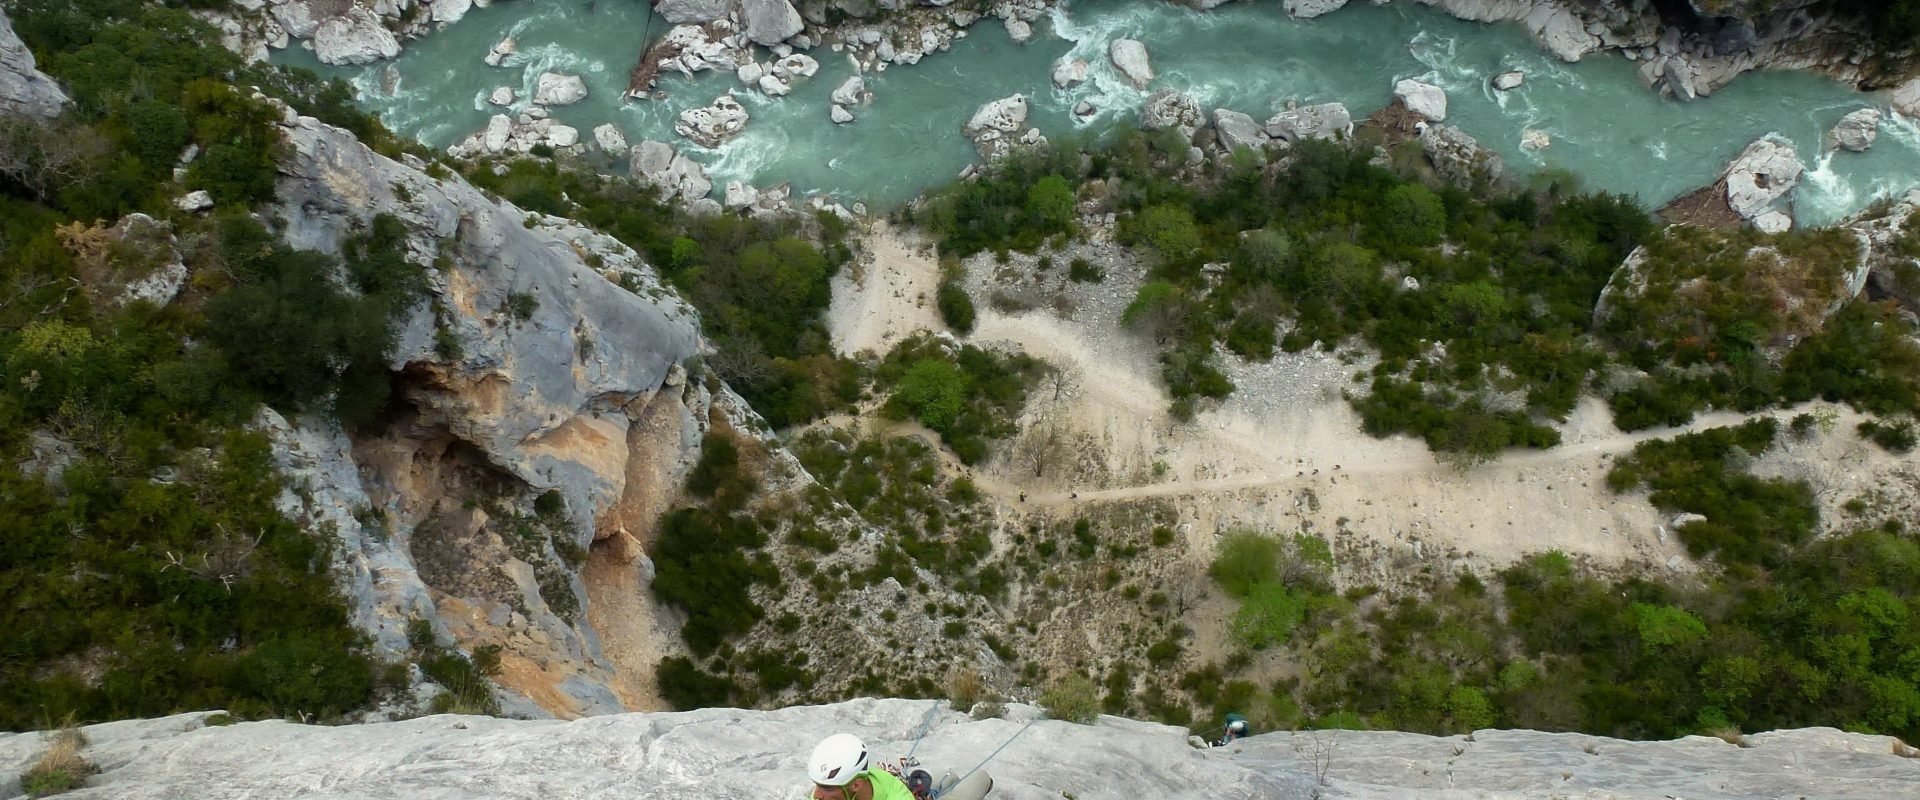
(728, 753)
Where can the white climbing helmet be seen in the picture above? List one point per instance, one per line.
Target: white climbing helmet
(1237, 726)
(837, 759)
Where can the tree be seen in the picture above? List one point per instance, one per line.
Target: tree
(1412, 216)
(1268, 615)
(1050, 202)
(1264, 255)
(1159, 309)
(1170, 231)
(933, 391)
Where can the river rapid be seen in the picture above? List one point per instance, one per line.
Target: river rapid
(1249, 56)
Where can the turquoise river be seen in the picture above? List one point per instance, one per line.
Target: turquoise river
(1604, 125)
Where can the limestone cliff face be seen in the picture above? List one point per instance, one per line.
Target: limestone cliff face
(24, 89)
(755, 755)
(545, 364)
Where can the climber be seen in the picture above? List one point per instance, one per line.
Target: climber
(1236, 728)
(841, 769)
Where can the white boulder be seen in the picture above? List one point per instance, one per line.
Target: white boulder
(1509, 80)
(1018, 30)
(501, 96)
(1324, 121)
(1069, 72)
(1857, 131)
(850, 92)
(1130, 57)
(658, 164)
(698, 12)
(562, 135)
(713, 124)
(769, 22)
(1238, 130)
(839, 114)
(1763, 172)
(1308, 9)
(194, 201)
(1422, 98)
(1171, 109)
(1006, 115)
(558, 89)
(610, 138)
(497, 54)
(355, 37)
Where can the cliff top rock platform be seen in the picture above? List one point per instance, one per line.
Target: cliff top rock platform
(728, 753)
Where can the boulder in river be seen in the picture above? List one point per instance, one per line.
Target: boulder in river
(698, 12)
(501, 96)
(1069, 72)
(497, 54)
(558, 89)
(839, 114)
(1763, 172)
(1906, 98)
(1238, 130)
(798, 65)
(772, 86)
(1535, 139)
(769, 22)
(713, 124)
(1018, 30)
(850, 92)
(1171, 109)
(1509, 80)
(355, 37)
(1130, 57)
(610, 138)
(658, 164)
(1422, 98)
(750, 73)
(1308, 9)
(1324, 121)
(1006, 115)
(1856, 131)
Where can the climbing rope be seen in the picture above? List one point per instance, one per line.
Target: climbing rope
(926, 724)
(996, 751)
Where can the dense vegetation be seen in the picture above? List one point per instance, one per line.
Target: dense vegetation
(1787, 633)
(968, 395)
(1480, 306)
(145, 566)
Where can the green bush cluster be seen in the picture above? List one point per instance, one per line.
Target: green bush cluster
(1791, 632)
(968, 395)
(704, 554)
(1749, 520)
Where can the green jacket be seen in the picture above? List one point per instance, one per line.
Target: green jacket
(885, 786)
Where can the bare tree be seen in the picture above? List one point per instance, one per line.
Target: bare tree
(46, 157)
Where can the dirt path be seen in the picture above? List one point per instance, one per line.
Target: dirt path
(1285, 453)
(886, 294)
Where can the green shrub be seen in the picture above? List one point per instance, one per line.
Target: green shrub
(1894, 437)
(686, 687)
(1073, 698)
(956, 308)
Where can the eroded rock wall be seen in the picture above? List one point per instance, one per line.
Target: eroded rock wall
(513, 445)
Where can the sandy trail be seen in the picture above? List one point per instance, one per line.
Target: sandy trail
(886, 294)
(1290, 458)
